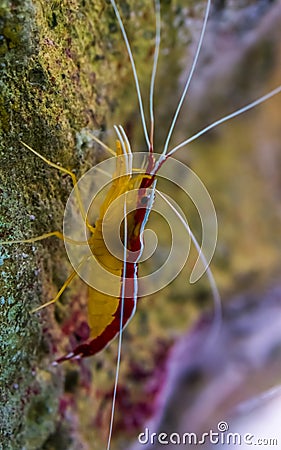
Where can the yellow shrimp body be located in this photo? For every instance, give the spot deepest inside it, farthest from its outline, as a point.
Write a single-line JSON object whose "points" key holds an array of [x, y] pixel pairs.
{"points": [[104, 309]]}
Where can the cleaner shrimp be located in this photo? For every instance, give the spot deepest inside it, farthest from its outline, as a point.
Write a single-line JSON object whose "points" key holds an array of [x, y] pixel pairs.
{"points": [[131, 196]]}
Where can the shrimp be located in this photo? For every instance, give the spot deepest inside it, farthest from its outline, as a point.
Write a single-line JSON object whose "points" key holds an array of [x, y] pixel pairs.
{"points": [[128, 203]]}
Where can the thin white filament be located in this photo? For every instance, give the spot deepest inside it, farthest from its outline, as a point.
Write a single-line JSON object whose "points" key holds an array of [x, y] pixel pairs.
{"points": [[125, 139], [133, 66], [121, 327], [214, 289], [188, 81], [225, 119], [129, 150], [154, 68], [120, 137]]}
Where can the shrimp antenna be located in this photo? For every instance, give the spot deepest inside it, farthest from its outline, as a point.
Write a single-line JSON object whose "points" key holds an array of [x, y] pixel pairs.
{"points": [[129, 150], [133, 66], [154, 69], [121, 327], [126, 152], [189, 78], [225, 119]]}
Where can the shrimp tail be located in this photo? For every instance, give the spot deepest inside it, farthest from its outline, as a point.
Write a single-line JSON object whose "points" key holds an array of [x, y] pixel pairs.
{"points": [[94, 346]]}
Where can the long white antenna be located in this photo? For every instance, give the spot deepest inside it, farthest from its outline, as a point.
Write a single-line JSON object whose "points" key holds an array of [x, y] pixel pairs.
{"points": [[189, 78], [225, 119], [133, 66], [128, 145], [129, 150], [154, 69], [121, 327], [123, 146]]}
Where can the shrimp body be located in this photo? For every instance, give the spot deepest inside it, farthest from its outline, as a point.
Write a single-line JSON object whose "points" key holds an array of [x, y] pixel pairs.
{"points": [[104, 310]]}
